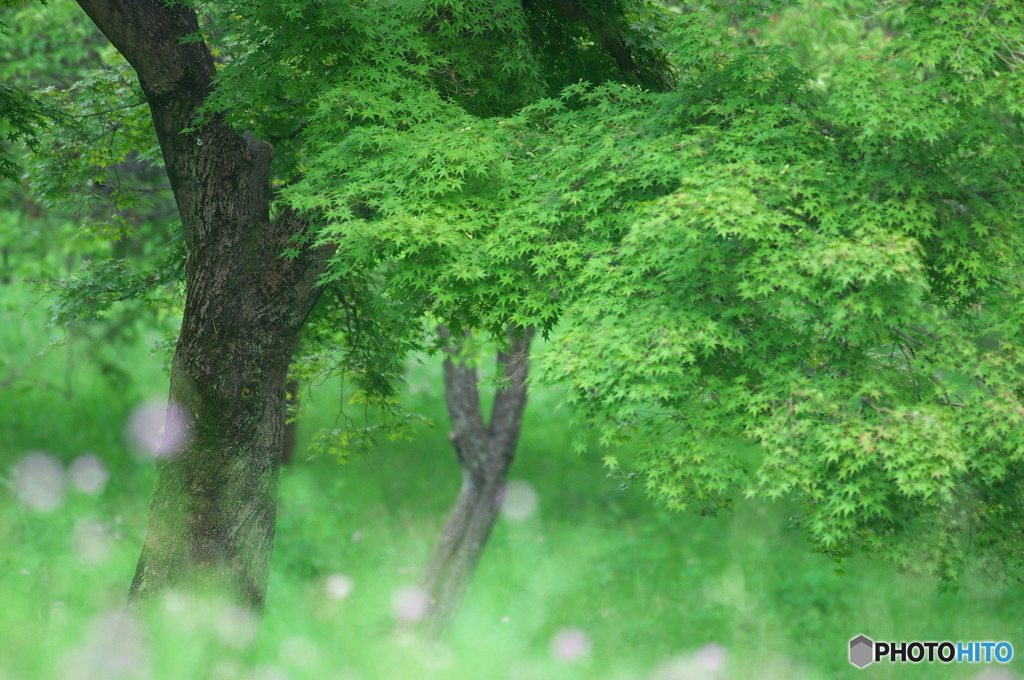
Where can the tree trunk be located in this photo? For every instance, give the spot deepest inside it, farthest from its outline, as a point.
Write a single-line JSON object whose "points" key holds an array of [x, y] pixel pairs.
{"points": [[485, 454], [213, 511]]}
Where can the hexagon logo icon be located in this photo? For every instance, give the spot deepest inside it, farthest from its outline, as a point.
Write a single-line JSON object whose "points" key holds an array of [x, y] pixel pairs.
{"points": [[861, 648]]}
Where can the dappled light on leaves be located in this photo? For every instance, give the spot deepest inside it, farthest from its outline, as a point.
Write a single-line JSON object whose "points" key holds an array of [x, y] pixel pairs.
{"points": [[437, 657], [679, 668], [91, 541], [113, 649], [158, 428], [710, 657], [175, 603], [339, 586], [410, 604], [570, 645], [707, 663], [237, 627], [38, 481], [226, 669], [88, 474], [266, 673], [518, 500], [298, 651], [212, 616]]}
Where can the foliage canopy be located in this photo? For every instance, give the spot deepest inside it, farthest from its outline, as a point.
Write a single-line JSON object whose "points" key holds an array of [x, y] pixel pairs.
{"points": [[776, 287]]}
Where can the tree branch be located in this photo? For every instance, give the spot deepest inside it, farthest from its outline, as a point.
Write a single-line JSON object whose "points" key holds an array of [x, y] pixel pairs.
{"points": [[610, 36], [510, 399]]}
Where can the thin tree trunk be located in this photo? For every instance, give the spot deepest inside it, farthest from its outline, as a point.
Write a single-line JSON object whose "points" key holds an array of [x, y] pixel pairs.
{"points": [[213, 511], [485, 454]]}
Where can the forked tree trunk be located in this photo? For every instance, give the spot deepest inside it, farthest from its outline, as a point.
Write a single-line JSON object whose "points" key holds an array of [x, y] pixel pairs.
{"points": [[485, 453], [213, 511]]}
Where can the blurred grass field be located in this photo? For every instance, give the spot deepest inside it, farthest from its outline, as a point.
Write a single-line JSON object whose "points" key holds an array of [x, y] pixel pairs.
{"points": [[636, 592]]}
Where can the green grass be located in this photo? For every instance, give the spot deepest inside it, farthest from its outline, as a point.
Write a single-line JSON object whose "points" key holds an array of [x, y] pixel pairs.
{"points": [[645, 586]]}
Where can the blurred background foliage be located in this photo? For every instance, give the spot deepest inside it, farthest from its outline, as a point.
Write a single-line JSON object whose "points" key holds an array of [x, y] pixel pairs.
{"points": [[91, 220]]}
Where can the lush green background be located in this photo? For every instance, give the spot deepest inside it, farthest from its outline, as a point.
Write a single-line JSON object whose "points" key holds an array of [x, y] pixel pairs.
{"points": [[645, 585], [648, 587]]}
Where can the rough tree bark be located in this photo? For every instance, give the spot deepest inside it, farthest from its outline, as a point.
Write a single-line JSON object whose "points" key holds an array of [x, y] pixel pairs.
{"points": [[212, 516], [485, 453]]}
